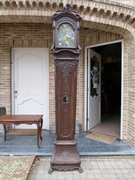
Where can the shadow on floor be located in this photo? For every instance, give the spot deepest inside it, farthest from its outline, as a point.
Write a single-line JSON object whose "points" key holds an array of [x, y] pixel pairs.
{"points": [[26, 145]]}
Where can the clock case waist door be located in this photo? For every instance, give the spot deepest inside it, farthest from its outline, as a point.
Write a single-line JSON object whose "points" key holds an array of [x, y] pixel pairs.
{"points": [[66, 90], [65, 155]]}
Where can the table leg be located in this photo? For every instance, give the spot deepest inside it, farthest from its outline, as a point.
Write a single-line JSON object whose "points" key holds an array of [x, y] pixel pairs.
{"points": [[41, 129], [4, 127], [39, 132]]}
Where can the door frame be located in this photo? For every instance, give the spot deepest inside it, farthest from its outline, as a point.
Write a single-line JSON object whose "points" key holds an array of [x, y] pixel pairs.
{"points": [[86, 122], [13, 77]]}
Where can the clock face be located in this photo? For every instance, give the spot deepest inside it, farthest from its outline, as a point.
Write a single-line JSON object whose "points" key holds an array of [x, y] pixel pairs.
{"points": [[66, 36]]}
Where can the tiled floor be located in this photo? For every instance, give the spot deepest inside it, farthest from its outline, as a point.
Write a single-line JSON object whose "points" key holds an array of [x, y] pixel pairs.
{"points": [[110, 124], [94, 168], [107, 128], [26, 145]]}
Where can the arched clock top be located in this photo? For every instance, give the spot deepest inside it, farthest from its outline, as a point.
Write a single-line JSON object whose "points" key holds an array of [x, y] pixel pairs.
{"points": [[65, 24]]}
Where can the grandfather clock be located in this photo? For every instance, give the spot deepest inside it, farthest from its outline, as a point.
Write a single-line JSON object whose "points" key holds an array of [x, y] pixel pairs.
{"points": [[66, 50]]}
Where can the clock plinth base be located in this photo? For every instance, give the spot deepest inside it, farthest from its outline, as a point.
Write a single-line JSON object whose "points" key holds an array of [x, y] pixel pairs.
{"points": [[65, 157]]}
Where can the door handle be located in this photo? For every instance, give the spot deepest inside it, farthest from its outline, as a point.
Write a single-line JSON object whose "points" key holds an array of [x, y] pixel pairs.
{"points": [[15, 92]]}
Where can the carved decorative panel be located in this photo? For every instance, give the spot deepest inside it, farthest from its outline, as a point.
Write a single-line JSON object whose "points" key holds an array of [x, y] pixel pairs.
{"points": [[66, 69]]}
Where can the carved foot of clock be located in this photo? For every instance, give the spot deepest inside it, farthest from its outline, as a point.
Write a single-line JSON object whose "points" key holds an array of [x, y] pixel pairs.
{"points": [[80, 170], [65, 157], [50, 171]]}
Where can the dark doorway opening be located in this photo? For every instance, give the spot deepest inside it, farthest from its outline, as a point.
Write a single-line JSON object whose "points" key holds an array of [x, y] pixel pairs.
{"points": [[110, 82]]}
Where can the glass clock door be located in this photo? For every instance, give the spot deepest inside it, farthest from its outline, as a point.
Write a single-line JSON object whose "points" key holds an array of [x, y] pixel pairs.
{"points": [[66, 36]]}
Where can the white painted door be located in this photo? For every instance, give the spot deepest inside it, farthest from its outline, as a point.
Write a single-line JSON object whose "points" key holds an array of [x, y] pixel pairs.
{"points": [[94, 92], [30, 86]]}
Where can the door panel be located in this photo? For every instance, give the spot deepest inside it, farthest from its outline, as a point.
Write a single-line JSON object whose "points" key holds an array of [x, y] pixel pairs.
{"points": [[94, 94], [31, 83]]}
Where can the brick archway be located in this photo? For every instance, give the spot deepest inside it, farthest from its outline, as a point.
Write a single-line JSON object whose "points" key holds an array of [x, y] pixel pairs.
{"points": [[110, 12], [109, 16]]}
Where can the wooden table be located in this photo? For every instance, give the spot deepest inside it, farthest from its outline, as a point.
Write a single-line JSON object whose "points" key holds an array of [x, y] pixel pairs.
{"points": [[23, 119]]}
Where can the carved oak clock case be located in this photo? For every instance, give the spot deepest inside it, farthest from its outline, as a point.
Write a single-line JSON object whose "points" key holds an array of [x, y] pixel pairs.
{"points": [[66, 50]]}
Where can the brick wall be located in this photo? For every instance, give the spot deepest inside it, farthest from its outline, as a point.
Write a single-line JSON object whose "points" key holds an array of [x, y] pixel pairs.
{"points": [[131, 93], [22, 35], [40, 35], [130, 3], [102, 22]]}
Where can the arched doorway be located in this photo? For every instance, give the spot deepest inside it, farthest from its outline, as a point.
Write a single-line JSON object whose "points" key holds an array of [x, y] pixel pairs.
{"points": [[104, 117]]}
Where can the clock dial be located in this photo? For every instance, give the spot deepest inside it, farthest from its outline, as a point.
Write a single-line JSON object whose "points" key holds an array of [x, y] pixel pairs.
{"points": [[66, 36]]}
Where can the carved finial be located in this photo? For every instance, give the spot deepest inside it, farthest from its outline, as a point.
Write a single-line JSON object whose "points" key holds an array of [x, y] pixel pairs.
{"points": [[68, 11]]}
